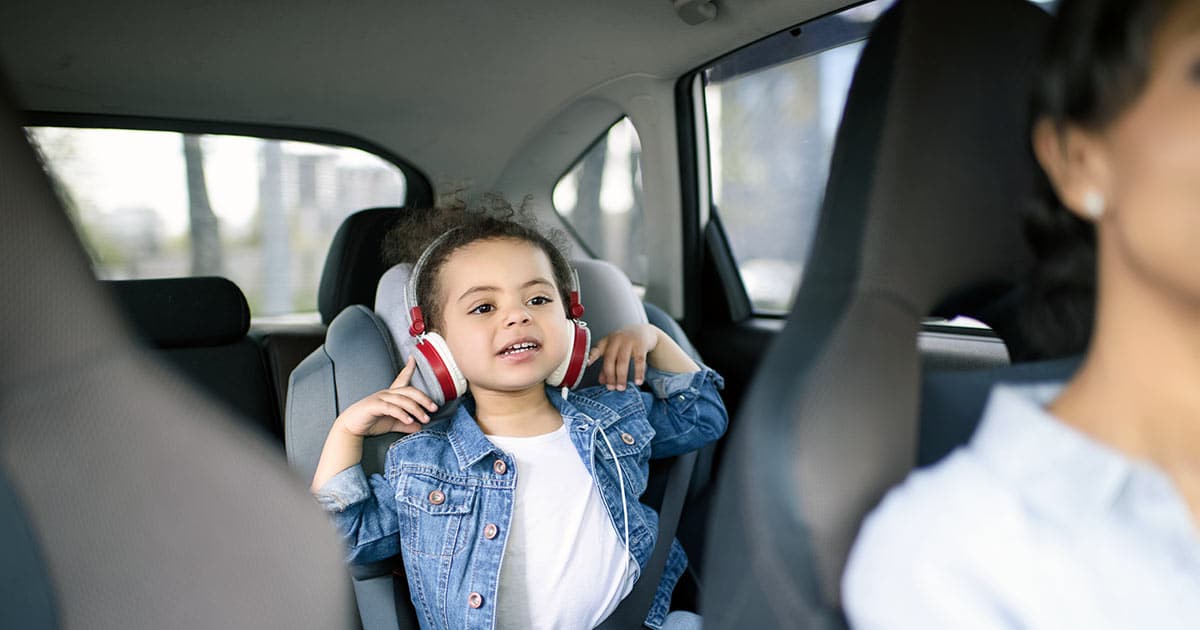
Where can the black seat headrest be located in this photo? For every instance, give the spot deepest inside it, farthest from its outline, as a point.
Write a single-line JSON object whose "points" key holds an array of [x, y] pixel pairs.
{"points": [[355, 262], [184, 312]]}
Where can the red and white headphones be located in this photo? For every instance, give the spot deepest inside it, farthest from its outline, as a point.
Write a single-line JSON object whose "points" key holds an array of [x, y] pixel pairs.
{"points": [[436, 365]]}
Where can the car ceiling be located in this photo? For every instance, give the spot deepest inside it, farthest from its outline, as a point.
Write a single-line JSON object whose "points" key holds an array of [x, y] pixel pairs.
{"points": [[454, 87]]}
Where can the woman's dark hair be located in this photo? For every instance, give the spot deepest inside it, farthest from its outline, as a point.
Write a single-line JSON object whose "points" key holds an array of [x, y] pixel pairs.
{"points": [[492, 219], [1095, 65]]}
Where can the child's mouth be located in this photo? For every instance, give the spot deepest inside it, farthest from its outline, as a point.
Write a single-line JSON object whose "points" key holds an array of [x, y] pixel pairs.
{"points": [[518, 348]]}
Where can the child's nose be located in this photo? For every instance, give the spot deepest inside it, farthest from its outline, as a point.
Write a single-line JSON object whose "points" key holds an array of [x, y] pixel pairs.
{"points": [[516, 316]]}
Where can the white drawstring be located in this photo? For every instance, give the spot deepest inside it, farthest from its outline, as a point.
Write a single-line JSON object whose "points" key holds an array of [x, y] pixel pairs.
{"points": [[621, 480]]}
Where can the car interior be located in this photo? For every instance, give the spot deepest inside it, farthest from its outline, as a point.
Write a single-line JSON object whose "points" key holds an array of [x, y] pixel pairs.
{"points": [[819, 199]]}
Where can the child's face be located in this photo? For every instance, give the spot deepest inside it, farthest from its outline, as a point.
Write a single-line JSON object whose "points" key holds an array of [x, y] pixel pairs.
{"points": [[501, 315]]}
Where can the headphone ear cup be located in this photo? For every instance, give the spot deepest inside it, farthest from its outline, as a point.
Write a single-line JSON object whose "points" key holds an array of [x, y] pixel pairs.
{"points": [[437, 374], [569, 373]]}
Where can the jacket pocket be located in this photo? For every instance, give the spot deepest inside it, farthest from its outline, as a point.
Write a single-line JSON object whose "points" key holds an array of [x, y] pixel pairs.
{"points": [[630, 441], [434, 514]]}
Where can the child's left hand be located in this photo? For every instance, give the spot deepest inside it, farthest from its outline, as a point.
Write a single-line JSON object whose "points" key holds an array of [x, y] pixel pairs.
{"points": [[632, 342]]}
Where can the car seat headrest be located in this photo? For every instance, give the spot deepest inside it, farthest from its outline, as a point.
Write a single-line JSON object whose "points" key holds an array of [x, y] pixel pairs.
{"points": [[184, 312], [355, 262]]}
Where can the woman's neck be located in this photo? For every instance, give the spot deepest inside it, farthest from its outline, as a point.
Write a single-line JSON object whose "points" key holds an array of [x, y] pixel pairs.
{"points": [[517, 414], [1138, 388]]}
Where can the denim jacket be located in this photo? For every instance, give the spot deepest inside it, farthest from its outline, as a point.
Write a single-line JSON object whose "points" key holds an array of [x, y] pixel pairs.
{"points": [[445, 499]]}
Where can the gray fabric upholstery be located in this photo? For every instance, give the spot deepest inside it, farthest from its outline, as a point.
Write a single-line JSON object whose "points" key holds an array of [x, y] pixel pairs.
{"points": [[357, 359], [930, 168], [26, 596], [152, 508]]}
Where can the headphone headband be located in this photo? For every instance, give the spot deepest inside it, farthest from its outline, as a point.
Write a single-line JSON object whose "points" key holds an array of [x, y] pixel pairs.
{"points": [[418, 319]]}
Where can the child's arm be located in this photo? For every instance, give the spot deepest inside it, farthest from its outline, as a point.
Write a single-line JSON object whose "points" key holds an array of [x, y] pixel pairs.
{"points": [[399, 408], [362, 508], [685, 408]]}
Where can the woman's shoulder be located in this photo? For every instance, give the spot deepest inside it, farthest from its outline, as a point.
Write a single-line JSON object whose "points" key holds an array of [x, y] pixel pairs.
{"points": [[955, 520]]}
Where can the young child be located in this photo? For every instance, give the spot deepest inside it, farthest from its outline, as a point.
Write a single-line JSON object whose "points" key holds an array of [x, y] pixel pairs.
{"points": [[521, 511]]}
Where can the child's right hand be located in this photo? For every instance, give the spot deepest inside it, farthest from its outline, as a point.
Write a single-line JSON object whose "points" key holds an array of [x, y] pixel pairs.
{"points": [[399, 408]]}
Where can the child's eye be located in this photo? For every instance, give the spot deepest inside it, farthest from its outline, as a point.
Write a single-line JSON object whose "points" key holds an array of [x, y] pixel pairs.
{"points": [[540, 300], [481, 309]]}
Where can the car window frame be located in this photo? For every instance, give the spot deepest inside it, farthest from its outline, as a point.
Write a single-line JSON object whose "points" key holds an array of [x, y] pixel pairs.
{"points": [[699, 207], [418, 189]]}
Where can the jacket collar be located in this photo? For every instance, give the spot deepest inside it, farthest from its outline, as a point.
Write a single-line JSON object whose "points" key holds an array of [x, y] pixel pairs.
{"points": [[470, 445]]}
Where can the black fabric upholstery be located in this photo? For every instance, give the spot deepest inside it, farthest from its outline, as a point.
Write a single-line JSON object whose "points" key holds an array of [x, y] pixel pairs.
{"points": [[198, 325], [152, 508], [354, 263], [952, 402], [236, 375], [26, 595], [184, 312], [284, 349], [930, 168]]}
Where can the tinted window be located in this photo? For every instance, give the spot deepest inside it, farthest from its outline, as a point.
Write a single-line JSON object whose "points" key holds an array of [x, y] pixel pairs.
{"points": [[151, 204], [772, 111], [600, 199]]}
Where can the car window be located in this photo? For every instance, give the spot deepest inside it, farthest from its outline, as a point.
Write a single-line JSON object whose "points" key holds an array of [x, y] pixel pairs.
{"points": [[153, 204], [771, 112], [600, 200]]}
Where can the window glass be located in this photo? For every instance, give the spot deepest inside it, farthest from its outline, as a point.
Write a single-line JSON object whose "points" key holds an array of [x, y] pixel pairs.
{"points": [[600, 199], [772, 110], [152, 204]]}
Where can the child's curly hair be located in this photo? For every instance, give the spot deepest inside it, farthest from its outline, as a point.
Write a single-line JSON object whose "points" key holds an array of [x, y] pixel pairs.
{"points": [[494, 218]]}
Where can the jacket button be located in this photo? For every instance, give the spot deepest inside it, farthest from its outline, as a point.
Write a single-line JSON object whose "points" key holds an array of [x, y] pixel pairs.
{"points": [[475, 600], [437, 497], [500, 467], [490, 531], [626, 438]]}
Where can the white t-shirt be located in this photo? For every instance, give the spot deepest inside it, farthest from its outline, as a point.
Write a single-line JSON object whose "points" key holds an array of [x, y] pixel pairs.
{"points": [[564, 565]]}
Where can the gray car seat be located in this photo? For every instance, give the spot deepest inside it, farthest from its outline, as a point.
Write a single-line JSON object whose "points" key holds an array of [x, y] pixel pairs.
{"points": [[359, 357], [921, 215], [150, 507]]}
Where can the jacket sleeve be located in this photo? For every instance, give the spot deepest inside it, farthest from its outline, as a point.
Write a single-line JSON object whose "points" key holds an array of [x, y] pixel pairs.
{"points": [[364, 513], [685, 410]]}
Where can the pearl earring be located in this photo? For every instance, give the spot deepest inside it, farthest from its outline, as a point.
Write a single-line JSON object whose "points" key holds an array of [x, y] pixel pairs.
{"points": [[1093, 205]]}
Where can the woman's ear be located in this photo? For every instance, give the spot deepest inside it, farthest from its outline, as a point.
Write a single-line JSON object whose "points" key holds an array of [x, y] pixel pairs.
{"points": [[1076, 163]]}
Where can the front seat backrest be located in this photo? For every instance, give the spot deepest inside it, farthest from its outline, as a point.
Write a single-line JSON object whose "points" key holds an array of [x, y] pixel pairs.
{"points": [[152, 508], [930, 168]]}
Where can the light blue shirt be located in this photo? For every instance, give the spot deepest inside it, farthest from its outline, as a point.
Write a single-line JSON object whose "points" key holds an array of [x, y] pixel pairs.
{"points": [[1031, 525]]}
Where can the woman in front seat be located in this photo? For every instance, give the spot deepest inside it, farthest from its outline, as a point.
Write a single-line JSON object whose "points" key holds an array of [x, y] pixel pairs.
{"points": [[1076, 505]]}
